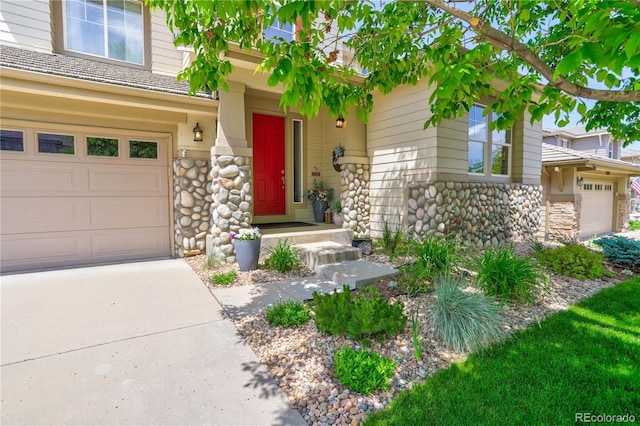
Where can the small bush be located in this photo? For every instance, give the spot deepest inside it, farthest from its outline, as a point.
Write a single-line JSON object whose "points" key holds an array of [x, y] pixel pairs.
{"points": [[634, 225], [290, 313], [574, 261], [415, 278], [502, 273], [620, 250], [363, 371], [366, 316], [392, 239], [282, 257], [436, 256], [565, 240], [224, 278], [465, 321]]}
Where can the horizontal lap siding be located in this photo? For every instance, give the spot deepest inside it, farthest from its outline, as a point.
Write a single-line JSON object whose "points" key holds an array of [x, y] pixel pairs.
{"points": [[532, 149], [165, 58], [26, 24], [398, 146], [452, 146]]}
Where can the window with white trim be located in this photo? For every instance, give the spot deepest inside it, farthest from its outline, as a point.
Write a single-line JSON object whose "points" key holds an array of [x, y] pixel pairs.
{"points": [[278, 29], [489, 151], [111, 29]]}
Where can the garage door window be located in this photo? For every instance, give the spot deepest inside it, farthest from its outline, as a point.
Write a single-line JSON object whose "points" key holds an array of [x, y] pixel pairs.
{"points": [[56, 144], [11, 140], [143, 149], [102, 147]]}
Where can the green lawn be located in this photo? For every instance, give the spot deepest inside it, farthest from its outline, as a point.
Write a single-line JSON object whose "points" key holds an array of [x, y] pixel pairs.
{"points": [[584, 360]]}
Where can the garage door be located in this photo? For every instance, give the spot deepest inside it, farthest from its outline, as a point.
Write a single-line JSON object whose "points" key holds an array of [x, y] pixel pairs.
{"points": [[71, 198], [596, 215]]}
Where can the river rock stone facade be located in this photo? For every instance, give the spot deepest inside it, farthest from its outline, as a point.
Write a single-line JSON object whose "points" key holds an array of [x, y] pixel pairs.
{"points": [[354, 197], [191, 205], [232, 197], [485, 214]]}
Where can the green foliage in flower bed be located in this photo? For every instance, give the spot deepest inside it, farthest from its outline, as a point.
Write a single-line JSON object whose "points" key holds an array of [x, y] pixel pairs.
{"points": [[465, 321], [620, 250], [282, 257], [367, 315], [436, 256], [289, 313], [634, 225], [573, 260], [363, 371], [502, 273], [224, 278]]}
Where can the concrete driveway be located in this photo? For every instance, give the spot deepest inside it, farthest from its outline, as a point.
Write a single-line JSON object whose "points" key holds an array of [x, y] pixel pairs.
{"points": [[137, 343]]}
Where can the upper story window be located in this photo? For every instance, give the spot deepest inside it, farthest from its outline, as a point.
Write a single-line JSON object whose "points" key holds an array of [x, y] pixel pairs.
{"points": [[489, 151], [565, 143], [610, 150], [111, 29], [278, 29]]}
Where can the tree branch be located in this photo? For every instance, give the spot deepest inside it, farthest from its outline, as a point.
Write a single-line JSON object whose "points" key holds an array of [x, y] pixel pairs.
{"points": [[504, 42]]}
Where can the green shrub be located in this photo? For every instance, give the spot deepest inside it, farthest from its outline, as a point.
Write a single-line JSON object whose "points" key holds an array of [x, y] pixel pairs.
{"points": [[224, 278], [290, 313], [367, 315], [363, 371], [415, 278], [436, 256], [502, 273], [574, 261], [465, 321], [634, 225], [565, 240], [282, 257], [392, 239], [620, 250]]}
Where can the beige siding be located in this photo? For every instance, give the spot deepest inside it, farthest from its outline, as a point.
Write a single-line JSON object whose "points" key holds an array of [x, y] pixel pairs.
{"points": [[165, 58], [452, 146], [26, 24], [532, 151], [400, 150]]}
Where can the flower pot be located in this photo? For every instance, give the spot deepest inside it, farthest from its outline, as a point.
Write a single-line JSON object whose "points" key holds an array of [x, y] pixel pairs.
{"points": [[319, 207], [338, 219], [247, 253]]}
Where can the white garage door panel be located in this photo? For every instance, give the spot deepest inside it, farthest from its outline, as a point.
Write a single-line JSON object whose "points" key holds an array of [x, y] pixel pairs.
{"points": [[22, 215], [20, 252], [596, 213], [20, 177], [128, 244], [122, 212], [127, 180]]}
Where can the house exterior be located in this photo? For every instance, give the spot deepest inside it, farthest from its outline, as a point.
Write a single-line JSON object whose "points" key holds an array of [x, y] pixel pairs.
{"points": [[100, 159], [586, 178]]}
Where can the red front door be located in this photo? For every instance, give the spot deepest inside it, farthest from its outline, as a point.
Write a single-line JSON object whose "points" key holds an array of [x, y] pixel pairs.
{"points": [[268, 165]]}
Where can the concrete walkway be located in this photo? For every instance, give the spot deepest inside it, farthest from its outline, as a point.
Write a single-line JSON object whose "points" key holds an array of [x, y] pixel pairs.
{"points": [[138, 343]]}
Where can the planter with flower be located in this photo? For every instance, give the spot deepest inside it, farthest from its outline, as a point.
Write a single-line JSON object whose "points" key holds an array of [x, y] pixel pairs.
{"points": [[336, 209], [338, 152], [247, 247], [320, 197]]}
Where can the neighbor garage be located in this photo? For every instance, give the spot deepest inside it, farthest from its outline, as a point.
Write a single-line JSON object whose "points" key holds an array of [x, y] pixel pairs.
{"points": [[75, 196], [596, 215]]}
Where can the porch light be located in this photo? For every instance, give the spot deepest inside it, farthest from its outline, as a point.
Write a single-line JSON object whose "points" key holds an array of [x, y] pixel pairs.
{"points": [[580, 181], [197, 133], [340, 122]]}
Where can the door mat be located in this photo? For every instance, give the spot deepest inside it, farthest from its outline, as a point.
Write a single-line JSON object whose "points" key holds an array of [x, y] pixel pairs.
{"points": [[282, 225]]}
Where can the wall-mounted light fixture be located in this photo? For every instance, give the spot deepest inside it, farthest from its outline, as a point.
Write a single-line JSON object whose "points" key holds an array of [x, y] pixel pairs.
{"points": [[197, 133], [580, 181], [340, 122]]}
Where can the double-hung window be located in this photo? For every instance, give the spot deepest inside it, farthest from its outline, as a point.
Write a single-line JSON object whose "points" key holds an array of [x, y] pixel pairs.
{"points": [[111, 29], [278, 29], [489, 151]]}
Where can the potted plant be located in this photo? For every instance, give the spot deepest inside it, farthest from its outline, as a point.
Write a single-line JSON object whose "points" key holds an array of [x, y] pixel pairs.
{"points": [[336, 209], [320, 197], [247, 248], [338, 152]]}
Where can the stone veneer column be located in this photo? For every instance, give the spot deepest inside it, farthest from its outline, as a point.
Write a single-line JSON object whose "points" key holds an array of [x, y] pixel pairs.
{"points": [[483, 213], [623, 209], [354, 197], [232, 197], [564, 217], [192, 189]]}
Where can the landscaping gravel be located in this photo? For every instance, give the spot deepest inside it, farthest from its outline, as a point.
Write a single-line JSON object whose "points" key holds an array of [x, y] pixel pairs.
{"points": [[301, 359]]}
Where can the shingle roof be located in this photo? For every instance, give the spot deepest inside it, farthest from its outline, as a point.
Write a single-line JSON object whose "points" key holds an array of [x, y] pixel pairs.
{"points": [[84, 69], [556, 154]]}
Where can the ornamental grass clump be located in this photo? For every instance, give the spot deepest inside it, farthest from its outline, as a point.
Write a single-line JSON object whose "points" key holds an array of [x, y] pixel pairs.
{"points": [[282, 257], [436, 256], [363, 371], [504, 274], [465, 321], [289, 313]]}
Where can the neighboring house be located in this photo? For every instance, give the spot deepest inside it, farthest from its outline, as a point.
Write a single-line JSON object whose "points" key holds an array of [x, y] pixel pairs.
{"points": [[597, 141], [584, 194], [630, 155], [100, 159]]}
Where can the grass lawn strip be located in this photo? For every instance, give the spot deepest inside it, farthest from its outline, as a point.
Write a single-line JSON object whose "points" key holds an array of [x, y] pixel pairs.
{"points": [[584, 360]]}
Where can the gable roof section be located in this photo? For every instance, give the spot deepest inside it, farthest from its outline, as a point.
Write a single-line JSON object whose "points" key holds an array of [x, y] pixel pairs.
{"points": [[87, 70], [564, 157]]}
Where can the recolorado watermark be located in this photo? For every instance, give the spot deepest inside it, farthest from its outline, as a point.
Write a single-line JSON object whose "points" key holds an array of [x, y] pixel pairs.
{"points": [[604, 418]]}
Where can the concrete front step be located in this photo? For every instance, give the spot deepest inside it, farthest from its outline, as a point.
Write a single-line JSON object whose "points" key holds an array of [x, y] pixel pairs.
{"points": [[321, 253], [356, 273]]}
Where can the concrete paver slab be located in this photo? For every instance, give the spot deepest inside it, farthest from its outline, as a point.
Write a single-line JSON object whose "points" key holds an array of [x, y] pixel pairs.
{"points": [[355, 273], [250, 299], [303, 288]]}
